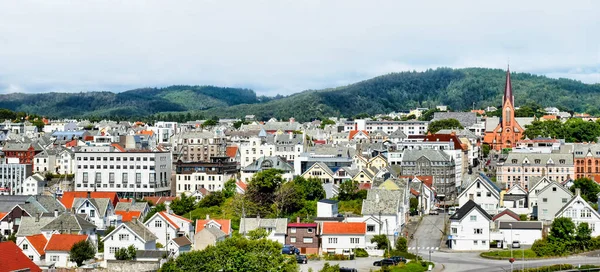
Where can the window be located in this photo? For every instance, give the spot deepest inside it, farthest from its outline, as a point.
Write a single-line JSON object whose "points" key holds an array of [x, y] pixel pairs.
{"points": [[292, 230], [25, 246], [483, 242], [332, 240], [370, 228], [564, 200], [138, 177], [113, 249], [553, 189], [454, 230], [354, 240], [592, 226], [477, 231], [307, 240], [123, 237], [309, 230], [544, 200], [473, 217], [124, 177], [30, 257], [54, 258], [474, 242], [292, 239], [478, 194], [92, 213]]}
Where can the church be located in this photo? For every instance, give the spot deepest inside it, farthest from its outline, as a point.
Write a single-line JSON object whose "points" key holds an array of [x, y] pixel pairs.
{"points": [[506, 131]]}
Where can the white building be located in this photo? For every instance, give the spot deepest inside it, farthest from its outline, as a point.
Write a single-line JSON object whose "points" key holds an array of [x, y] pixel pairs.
{"points": [[581, 212], [169, 226], [276, 227], [127, 172], [58, 248], [482, 192], [407, 127], [525, 232], [33, 247], [126, 234], [327, 208], [343, 237], [13, 175], [470, 228], [34, 185], [99, 210]]}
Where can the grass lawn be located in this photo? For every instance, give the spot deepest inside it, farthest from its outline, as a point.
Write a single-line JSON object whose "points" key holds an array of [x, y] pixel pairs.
{"points": [[409, 267], [505, 254]]}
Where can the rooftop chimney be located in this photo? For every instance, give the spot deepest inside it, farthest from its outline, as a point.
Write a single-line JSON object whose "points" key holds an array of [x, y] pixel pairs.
{"points": [[577, 191], [297, 219], [37, 217], [55, 213], [207, 217], [89, 194]]}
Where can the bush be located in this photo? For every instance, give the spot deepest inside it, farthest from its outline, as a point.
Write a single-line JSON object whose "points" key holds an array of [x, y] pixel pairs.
{"points": [[336, 257], [550, 268], [523, 217], [313, 257], [406, 255], [505, 254], [361, 252], [402, 244]]}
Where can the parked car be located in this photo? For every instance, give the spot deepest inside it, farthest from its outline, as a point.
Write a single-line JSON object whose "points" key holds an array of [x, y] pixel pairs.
{"points": [[398, 259], [346, 269], [433, 212], [301, 259], [385, 262], [289, 250], [516, 244]]}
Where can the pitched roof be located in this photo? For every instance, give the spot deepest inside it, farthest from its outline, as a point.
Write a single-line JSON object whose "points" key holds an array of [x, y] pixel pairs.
{"points": [[13, 259], [466, 208], [279, 225], [130, 206], [2, 214], [29, 226], [354, 132], [302, 225], [382, 201], [182, 241], [231, 151], [140, 230], [225, 224], [68, 197], [507, 212], [69, 221], [64, 242], [344, 228], [159, 199], [127, 216], [38, 242], [445, 138], [466, 119]]}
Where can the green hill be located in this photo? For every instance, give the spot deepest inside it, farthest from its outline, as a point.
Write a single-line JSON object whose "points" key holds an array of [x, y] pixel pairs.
{"points": [[458, 88]]}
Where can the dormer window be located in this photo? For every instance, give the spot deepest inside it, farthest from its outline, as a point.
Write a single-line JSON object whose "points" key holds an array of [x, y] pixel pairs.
{"points": [[537, 161], [514, 161]]}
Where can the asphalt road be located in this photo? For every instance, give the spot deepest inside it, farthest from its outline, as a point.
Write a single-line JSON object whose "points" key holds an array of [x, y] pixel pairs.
{"points": [[428, 235], [361, 264]]}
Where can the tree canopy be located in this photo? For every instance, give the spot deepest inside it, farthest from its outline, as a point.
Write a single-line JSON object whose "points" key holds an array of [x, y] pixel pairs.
{"points": [[589, 189], [438, 125], [573, 130], [81, 252], [183, 204]]}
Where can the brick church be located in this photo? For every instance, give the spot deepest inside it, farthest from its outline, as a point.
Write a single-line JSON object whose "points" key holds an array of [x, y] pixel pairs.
{"points": [[508, 131]]}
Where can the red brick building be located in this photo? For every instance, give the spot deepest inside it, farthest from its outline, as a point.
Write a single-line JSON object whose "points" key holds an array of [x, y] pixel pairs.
{"points": [[303, 236], [23, 151]]}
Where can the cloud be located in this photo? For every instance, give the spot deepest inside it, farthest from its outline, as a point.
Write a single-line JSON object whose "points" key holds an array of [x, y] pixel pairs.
{"points": [[284, 46]]}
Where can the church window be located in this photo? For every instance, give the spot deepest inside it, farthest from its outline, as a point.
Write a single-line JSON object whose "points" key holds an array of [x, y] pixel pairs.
{"points": [[507, 115]]}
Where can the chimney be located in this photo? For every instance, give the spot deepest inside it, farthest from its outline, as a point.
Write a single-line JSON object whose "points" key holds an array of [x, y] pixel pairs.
{"points": [[134, 219], [89, 194], [37, 217], [291, 135], [207, 217], [55, 213], [297, 219], [577, 191]]}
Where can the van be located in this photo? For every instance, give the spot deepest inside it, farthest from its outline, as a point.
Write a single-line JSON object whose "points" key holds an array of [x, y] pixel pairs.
{"points": [[451, 210]]}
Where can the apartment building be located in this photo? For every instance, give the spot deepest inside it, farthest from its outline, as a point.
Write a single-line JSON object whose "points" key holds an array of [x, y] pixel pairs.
{"points": [[210, 175], [520, 167], [412, 127], [199, 146]]}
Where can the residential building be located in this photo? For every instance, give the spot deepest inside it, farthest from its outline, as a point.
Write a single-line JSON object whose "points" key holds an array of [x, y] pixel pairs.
{"points": [[412, 127], [179, 245], [515, 198], [431, 162], [320, 171], [581, 212], [168, 226], [525, 232], [199, 146], [24, 152], [68, 223], [587, 161], [332, 156], [130, 172], [536, 184], [342, 237], [520, 167], [422, 188], [126, 234], [483, 192], [12, 176], [264, 163], [276, 227], [210, 231], [33, 247], [34, 185], [327, 208], [304, 236], [58, 248], [17, 260], [211, 175], [468, 120], [99, 210], [470, 228], [506, 216]]}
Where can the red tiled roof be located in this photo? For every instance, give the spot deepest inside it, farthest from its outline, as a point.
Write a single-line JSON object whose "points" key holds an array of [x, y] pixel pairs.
{"points": [[414, 192], [549, 117], [180, 217], [13, 259], [302, 225], [354, 132], [445, 138], [507, 212], [2, 215], [159, 199], [166, 217], [118, 146], [241, 184], [344, 228], [128, 215], [88, 138], [146, 132], [231, 151], [38, 242], [225, 224], [68, 197], [71, 143], [64, 242], [364, 186], [320, 142], [204, 191]]}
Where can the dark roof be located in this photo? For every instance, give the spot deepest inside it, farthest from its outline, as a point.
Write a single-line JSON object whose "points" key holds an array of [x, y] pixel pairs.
{"points": [[466, 208], [507, 212], [515, 197], [182, 241], [328, 201], [521, 225], [150, 253]]}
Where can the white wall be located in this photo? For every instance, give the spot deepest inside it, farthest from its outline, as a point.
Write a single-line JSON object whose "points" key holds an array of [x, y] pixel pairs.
{"points": [[488, 203], [163, 230], [114, 242], [343, 242], [464, 237], [524, 236]]}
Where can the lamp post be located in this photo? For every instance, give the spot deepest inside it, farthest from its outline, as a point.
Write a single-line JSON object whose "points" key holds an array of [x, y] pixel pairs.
{"points": [[511, 247]]}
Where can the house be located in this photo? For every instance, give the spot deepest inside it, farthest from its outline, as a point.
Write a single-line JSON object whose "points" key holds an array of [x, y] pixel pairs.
{"points": [[483, 192], [168, 226], [98, 209], [142, 207], [58, 247], [327, 208], [210, 231], [470, 228], [551, 199], [179, 245], [68, 197], [240, 187], [516, 199], [581, 212], [526, 232], [536, 184], [69, 223], [505, 216], [33, 247], [34, 184], [276, 227], [13, 259], [342, 237], [384, 212], [128, 233], [303, 236], [425, 193], [127, 216], [320, 171]]}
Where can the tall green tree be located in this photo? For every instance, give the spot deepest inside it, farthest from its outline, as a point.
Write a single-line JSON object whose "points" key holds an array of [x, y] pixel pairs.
{"points": [[562, 230], [589, 189], [312, 188], [262, 187], [438, 125], [183, 204], [81, 252]]}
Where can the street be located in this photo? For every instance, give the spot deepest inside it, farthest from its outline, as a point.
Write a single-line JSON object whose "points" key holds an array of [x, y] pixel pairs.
{"points": [[361, 264], [428, 235]]}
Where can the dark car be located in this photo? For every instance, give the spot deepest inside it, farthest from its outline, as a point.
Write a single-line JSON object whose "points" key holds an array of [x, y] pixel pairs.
{"points": [[346, 269], [385, 262], [301, 259], [289, 250], [398, 259]]}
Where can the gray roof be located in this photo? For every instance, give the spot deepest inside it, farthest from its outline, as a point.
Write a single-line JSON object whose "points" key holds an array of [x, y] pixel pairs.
{"points": [[279, 225], [184, 241], [101, 204], [581, 150], [398, 134], [543, 157], [272, 162], [460, 133], [322, 166], [197, 135], [217, 233], [48, 203], [141, 230], [430, 154], [466, 119], [466, 208], [29, 226], [382, 201], [155, 254], [521, 225], [69, 221], [137, 206], [557, 185]]}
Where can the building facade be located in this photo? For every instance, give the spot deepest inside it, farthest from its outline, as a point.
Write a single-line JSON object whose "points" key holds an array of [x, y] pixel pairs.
{"points": [[519, 168], [211, 175]]}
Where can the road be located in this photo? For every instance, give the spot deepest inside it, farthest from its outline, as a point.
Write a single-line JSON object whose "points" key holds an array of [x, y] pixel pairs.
{"points": [[361, 264], [428, 235]]}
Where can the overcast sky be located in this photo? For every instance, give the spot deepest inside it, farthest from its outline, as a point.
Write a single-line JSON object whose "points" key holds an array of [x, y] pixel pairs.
{"points": [[284, 46]]}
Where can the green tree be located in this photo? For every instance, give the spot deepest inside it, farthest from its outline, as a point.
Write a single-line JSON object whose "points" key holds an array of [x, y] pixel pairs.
{"points": [[330, 268], [562, 230], [589, 189], [158, 208], [326, 122], [81, 252], [428, 115], [381, 240], [348, 190], [183, 204], [438, 125], [209, 123], [258, 233], [128, 253], [288, 199], [402, 244], [414, 203], [312, 188], [486, 150], [262, 187], [234, 254], [213, 199], [583, 235], [229, 188]]}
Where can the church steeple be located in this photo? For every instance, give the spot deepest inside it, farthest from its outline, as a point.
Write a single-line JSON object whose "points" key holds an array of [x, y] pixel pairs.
{"points": [[508, 89]]}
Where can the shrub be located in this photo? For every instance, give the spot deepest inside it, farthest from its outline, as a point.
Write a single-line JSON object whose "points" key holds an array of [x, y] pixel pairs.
{"points": [[550, 268], [336, 257], [381, 240], [517, 254], [401, 244], [523, 217], [406, 255], [313, 257], [361, 252]]}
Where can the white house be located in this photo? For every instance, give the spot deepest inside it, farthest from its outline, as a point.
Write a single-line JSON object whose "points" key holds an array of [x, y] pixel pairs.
{"points": [[276, 227], [99, 210], [526, 232], [169, 226], [470, 228], [179, 245], [581, 212], [33, 247], [34, 184], [515, 199], [483, 193], [58, 247], [327, 208], [342, 237], [551, 199], [535, 186], [126, 234]]}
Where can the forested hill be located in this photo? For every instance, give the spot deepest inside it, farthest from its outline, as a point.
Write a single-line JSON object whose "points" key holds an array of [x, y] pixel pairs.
{"points": [[138, 102], [457, 88]]}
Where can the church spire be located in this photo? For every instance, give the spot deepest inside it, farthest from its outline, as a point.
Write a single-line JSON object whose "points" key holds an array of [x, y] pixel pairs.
{"points": [[508, 89]]}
